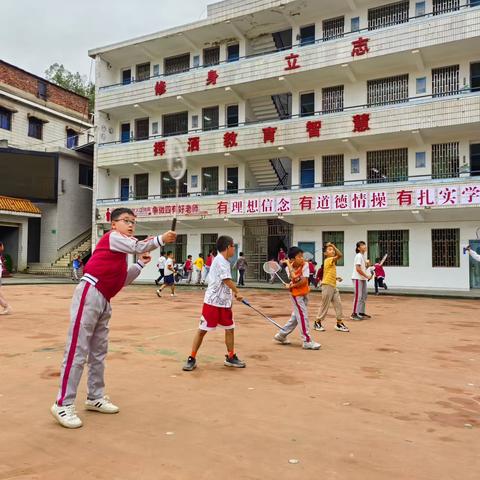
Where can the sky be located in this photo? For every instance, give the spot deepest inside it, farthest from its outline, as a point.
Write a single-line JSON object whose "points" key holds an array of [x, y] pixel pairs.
{"points": [[35, 34]]}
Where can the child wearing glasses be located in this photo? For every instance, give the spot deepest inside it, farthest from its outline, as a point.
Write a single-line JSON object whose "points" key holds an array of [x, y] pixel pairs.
{"points": [[105, 274]]}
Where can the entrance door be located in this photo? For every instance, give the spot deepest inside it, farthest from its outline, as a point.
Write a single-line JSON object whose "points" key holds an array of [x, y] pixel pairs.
{"points": [[475, 266], [308, 247], [125, 135], [475, 76], [124, 189], [475, 159]]}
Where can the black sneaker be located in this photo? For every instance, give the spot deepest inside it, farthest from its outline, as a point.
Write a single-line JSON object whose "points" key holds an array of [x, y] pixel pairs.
{"points": [[318, 327], [364, 315], [156, 282], [190, 365], [234, 362], [354, 316], [385, 286]]}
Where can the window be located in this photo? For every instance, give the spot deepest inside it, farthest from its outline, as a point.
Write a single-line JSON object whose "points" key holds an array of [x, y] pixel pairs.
{"points": [[421, 85], [445, 160], [307, 104], [332, 170], [72, 138], [211, 56], [194, 121], [387, 165], [307, 173], [387, 15], [210, 181], [85, 175], [387, 90], [445, 80], [154, 128], [156, 70], [336, 238], [143, 71], [5, 119], [232, 180], [179, 248], [125, 132], [393, 242], [355, 166], [196, 61], [177, 64], [446, 247], [474, 3], [209, 242], [124, 189], [232, 116], [141, 186], [355, 24], [210, 118], [307, 35], [168, 185], [419, 9], [420, 160], [283, 40], [141, 128], [42, 90], [444, 6], [126, 76], [175, 123], [35, 128], [333, 28], [233, 52], [475, 76], [332, 99], [475, 159]]}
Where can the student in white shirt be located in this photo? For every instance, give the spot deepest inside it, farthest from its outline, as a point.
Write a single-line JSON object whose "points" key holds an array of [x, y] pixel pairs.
{"points": [[3, 302], [360, 277], [169, 278], [161, 267]]}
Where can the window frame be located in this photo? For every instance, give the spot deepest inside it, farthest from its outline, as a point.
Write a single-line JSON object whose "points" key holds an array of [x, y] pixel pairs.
{"points": [[35, 123], [7, 116]]}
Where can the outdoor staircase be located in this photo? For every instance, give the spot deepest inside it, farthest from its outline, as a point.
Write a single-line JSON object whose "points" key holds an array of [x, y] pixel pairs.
{"points": [[269, 173], [262, 44], [264, 108]]}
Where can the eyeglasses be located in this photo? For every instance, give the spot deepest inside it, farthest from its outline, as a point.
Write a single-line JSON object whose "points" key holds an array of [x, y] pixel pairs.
{"points": [[126, 221]]}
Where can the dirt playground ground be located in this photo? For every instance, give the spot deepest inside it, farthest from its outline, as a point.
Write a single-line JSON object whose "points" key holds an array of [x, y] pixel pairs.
{"points": [[396, 398]]}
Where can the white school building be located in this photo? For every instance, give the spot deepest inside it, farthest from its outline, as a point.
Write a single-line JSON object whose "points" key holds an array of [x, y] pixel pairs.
{"points": [[302, 122]]}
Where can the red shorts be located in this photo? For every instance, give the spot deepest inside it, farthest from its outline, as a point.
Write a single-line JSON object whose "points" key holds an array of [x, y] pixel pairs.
{"points": [[213, 317]]}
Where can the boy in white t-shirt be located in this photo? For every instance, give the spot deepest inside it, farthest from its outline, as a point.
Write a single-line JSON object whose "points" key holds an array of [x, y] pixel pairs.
{"points": [[6, 310], [169, 278], [360, 277], [217, 306], [161, 267]]}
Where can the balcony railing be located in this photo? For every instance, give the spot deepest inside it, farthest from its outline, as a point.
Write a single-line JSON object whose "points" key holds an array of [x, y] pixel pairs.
{"points": [[426, 17]]}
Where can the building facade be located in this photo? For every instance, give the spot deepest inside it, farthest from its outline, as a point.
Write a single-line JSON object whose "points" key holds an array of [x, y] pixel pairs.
{"points": [[302, 122], [46, 158]]}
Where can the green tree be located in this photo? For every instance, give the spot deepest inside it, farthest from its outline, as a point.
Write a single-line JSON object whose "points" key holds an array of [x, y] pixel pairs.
{"points": [[75, 82]]}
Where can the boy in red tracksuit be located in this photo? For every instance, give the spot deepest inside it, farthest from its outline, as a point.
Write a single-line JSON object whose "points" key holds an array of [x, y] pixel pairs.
{"points": [[104, 275], [379, 275]]}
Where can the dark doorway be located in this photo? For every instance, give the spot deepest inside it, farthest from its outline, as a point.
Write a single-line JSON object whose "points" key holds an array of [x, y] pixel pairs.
{"points": [[33, 253], [475, 159]]}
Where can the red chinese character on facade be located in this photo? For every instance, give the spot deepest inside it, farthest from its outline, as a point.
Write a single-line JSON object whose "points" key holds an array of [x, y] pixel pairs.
{"points": [[230, 139], [378, 200], [253, 206], [161, 210], [159, 148], [305, 202], [160, 88], [340, 201], [448, 196], [360, 47], [284, 205], [236, 206], [212, 77], [155, 210], [267, 205], [181, 209], [313, 128], [360, 122], [193, 144], [195, 208], [471, 195], [168, 209], [324, 202], [359, 200], [425, 197], [269, 134], [405, 198], [292, 61]]}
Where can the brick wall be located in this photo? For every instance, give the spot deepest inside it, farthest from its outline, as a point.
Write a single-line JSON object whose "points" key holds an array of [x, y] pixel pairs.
{"points": [[27, 82]]}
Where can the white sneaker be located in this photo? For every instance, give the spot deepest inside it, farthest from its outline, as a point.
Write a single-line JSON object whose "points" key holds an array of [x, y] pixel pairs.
{"points": [[6, 311], [66, 416], [311, 345], [159, 293], [341, 327], [172, 295], [102, 405], [318, 327], [281, 339]]}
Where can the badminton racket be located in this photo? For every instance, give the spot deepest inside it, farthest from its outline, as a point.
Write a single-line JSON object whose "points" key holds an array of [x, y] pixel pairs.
{"points": [[266, 317], [272, 268], [308, 256], [177, 166]]}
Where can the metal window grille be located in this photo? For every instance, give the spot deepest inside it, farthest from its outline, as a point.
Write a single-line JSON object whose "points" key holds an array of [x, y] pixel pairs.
{"points": [[445, 80], [332, 170], [180, 63], [446, 247], [211, 56], [210, 118], [175, 124], [332, 99], [141, 128], [35, 128], [141, 186], [386, 15], [143, 71], [444, 6], [210, 180], [5, 119], [209, 242], [338, 239], [393, 242], [387, 165], [333, 28], [179, 248], [387, 90], [445, 160], [169, 185]]}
